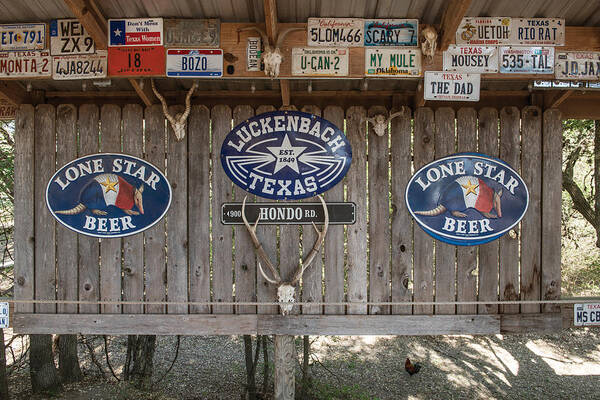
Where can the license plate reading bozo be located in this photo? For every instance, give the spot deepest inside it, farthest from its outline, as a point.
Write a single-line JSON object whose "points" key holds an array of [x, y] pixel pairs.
{"points": [[529, 60], [395, 62], [86, 66], [343, 32], [586, 314], [577, 65], [319, 61], [23, 37], [449, 86], [192, 63]]}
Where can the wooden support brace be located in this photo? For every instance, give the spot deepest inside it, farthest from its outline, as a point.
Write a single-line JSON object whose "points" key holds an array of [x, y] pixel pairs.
{"points": [[559, 99], [13, 92], [144, 91], [87, 12], [284, 378], [419, 96], [453, 15], [284, 84]]}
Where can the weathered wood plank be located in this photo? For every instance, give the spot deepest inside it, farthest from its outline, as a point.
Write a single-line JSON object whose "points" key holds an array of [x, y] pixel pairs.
{"points": [[379, 215], [284, 352], [445, 254], [24, 206], [222, 265], [199, 206], [551, 201], [66, 251], [110, 249], [356, 183], [402, 224], [154, 250], [133, 246], [177, 219], [531, 323], [245, 262], [423, 243], [334, 241], [531, 137], [466, 256], [488, 253], [510, 152]]}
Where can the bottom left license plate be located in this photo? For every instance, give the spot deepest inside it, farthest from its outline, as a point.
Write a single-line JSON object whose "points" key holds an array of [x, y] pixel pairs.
{"points": [[85, 66]]}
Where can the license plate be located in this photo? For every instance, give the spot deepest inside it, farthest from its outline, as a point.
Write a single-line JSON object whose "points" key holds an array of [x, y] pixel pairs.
{"points": [[85, 66], [319, 61], [134, 61], [21, 64], [8, 110], [586, 314], [391, 32], [193, 63], [68, 36], [398, 62], [527, 60], [288, 213], [135, 32], [471, 59], [538, 31], [577, 65], [253, 46], [4, 310], [451, 86], [484, 31], [23, 37], [192, 32], [342, 32]]}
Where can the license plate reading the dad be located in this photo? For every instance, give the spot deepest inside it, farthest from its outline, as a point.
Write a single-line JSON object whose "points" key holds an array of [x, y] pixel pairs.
{"points": [[319, 61], [342, 32], [527, 60], [538, 31], [23, 37], [484, 31], [471, 59], [586, 314], [577, 65], [68, 36], [396, 62], [449, 86], [21, 64], [191, 63], [85, 66]]}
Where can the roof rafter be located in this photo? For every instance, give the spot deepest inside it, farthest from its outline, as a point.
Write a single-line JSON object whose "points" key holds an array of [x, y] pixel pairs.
{"points": [[453, 14], [12, 92], [270, 7]]}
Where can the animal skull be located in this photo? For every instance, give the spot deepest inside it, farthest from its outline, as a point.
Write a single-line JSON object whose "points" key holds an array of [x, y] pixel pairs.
{"points": [[271, 57], [429, 43], [179, 122], [380, 122]]}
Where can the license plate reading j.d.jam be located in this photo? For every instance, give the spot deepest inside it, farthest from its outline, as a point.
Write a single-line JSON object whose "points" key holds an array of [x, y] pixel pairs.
{"points": [[396, 62], [191, 63], [23, 37], [586, 314], [85, 66], [340, 32], [580, 65], [319, 61], [132, 61], [527, 60], [21, 64], [451, 86]]}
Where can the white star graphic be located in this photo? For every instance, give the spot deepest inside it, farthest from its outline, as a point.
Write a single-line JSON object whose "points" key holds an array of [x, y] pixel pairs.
{"points": [[117, 32], [286, 155]]}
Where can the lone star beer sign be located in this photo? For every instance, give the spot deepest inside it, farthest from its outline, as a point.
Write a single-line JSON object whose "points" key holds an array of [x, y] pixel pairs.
{"points": [[467, 199], [108, 195], [286, 155]]}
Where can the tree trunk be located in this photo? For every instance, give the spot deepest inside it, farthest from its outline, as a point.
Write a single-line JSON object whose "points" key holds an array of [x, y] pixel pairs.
{"points": [[597, 179], [250, 366], [44, 376], [68, 361], [305, 366], [3, 378], [142, 356]]}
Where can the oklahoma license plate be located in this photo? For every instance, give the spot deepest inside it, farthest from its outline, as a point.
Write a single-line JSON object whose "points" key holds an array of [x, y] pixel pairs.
{"points": [[397, 62], [132, 61], [319, 61], [23, 37], [526, 60], [582, 65], [22, 64], [341, 32], [193, 63], [586, 314], [84, 66]]}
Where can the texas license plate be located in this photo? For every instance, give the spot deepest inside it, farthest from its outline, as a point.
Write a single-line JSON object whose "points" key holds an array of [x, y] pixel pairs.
{"points": [[68, 36], [526, 60], [397, 62], [135, 32], [538, 31], [23, 37], [582, 65], [22, 64], [319, 61], [84, 66], [451, 86], [341, 32], [132, 61], [471, 59], [586, 314], [193, 63]]}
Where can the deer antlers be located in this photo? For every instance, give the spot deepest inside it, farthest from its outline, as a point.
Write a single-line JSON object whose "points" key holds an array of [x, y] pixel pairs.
{"points": [[380, 122], [178, 122]]}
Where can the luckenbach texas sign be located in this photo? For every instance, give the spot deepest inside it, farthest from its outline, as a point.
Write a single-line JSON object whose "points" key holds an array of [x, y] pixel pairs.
{"points": [[108, 195], [467, 199], [286, 155]]}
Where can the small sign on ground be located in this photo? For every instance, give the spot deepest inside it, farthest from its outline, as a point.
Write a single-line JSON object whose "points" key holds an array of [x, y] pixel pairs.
{"points": [[586, 314]]}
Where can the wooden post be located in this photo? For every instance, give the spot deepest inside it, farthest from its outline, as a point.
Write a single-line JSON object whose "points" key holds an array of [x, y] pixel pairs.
{"points": [[284, 367]]}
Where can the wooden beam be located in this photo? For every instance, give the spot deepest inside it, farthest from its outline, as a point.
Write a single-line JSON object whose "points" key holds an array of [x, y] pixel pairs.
{"points": [[270, 7], [87, 12], [144, 91], [560, 98], [453, 15], [284, 84], [419, 96], [13, 92]]}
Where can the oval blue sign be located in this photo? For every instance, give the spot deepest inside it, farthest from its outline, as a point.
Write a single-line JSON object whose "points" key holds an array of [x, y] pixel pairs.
{"points": [[108, 195], [467, 199], [285, 155]]}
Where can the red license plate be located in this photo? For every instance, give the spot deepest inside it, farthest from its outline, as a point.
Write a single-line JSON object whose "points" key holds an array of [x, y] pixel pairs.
{"points": [[131, 61]]}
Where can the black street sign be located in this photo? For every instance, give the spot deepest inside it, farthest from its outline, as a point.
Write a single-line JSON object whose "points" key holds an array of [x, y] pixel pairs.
{"points": [[288, 213]]}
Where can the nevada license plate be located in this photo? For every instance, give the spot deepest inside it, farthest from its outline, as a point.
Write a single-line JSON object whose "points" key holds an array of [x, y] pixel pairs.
{"points": [[85, 66], [582, 65], [538, 31], [451, 86], [527, 60], [397, 62], [319, 61], [343, 32], [23, 37], [192, 63], [586, 314], [132, 61], [21, 64]]}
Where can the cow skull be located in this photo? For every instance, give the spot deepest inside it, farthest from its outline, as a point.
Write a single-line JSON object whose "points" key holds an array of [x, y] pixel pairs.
{"points": [[179, 122], [429, 43], [271, 57], [380, 122], [285, 289]]}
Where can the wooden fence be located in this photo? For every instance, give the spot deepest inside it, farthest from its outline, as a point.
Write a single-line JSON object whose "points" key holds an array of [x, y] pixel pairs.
{"points": [[191, 257]]}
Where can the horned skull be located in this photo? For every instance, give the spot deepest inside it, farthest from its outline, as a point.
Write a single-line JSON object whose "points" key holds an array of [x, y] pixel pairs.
{"points": [[429, 43], [286, 290], [380, 122], [179, 121]]}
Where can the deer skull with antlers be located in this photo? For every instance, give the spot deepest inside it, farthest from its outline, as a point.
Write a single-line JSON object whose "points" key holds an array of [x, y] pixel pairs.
{"points": [[179, 121], [380, 122], [271, 57], [285, 289]]}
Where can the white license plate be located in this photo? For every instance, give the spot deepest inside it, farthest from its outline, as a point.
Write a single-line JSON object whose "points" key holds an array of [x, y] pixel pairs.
{"points": [[23, 37], [483, 31], [395, 62], [319, 61], [451, 86], [253, 46], [85, 66], [577, 65], [341, 32], [193, 63], [538, 31], [4, 310], [391, 32], [471, 59], [69, 37], [527, 60], [24, 64], [586, 314]]}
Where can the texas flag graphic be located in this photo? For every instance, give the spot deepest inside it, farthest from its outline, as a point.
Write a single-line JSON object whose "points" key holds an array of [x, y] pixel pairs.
{"points": [[116, 31], [108, 190], [468, 192]]}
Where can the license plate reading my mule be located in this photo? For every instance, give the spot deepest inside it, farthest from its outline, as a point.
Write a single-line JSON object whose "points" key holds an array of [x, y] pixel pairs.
{"points": [[319, 61]]}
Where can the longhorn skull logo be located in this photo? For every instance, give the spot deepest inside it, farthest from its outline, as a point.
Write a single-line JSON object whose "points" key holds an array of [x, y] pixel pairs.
{"points": [[179, 121]]}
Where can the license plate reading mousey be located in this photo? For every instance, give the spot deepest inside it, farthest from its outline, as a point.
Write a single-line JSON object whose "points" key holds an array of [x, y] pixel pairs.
{"points": [[132, 61]]}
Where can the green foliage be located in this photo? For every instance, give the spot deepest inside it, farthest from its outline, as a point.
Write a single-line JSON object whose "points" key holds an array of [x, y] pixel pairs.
{"points": [[7, 159]]}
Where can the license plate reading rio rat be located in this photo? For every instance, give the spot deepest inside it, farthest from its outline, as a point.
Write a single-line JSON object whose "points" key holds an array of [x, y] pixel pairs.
{"points": [[132, 61]]}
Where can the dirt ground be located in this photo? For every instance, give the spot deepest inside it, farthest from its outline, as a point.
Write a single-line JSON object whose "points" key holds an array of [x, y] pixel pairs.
{"points": [[565, 365]]}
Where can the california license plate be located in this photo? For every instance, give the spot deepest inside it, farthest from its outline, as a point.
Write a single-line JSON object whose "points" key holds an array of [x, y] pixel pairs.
{"points": [[538, 31], [25, 64], [85, 66], [319, 61], [396, 62], [391, 32], [68, 36], [135, 61], [451, 86], [23, 37], [581, 65], [192, 63], [340, 32], [586, 314], [471, 59], [526, 60]]}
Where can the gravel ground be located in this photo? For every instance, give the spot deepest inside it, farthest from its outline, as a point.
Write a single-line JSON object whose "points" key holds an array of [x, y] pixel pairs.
{"points": [[560, 366]]}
